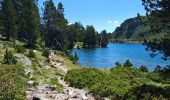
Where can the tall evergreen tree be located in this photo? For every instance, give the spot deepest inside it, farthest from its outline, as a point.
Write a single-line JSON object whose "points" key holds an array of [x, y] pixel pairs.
{"points": [[79, 31], [89, 40], [103, 38], [9, 19], [31, 18], [1, 20], [62, 35], [71, 36], [49, 23], [55, 26]]}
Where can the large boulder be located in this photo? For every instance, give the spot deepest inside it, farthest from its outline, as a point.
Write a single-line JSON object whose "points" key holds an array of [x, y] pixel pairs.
{"points": [[23, 59]]}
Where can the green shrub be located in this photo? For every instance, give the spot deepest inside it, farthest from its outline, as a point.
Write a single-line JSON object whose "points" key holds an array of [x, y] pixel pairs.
{"points": [[118, 64], [128, 63], [9, 58], [48, 60], [115, 84], [143, 68], [152, 92], [55, 82], [82, 78], [46, 53], [12, 81], [31, 54], [20, 49]]}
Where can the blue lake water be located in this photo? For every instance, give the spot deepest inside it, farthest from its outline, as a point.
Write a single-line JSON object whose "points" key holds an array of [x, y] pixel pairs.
{"points": [[106, 57]]}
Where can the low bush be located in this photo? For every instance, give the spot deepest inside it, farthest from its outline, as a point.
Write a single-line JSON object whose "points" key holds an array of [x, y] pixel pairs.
{"points": [[128, 63], [20, 49], [143, 69], [31, 54], [12, 82], [46, 53], [9, 58], [119, 83]]}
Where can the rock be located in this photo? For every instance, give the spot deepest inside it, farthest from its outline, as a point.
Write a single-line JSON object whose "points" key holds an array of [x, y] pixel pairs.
{"points": [[83, 96], [1, 46], [23, 59], [29, 71], [72, 94], [52, 96], [29, 92], [31, 82], [106, 99], [35, 51], [36, 98]]}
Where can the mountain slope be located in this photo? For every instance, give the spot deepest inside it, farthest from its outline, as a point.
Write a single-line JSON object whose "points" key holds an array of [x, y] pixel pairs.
{"points": [[135, 29]]}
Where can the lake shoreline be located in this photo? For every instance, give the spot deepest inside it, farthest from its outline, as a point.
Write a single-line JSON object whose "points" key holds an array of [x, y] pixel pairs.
{"points": [[105, 58]]}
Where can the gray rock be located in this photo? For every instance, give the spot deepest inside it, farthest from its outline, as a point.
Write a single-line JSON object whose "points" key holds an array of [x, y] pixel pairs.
{"points": [[31, 82], [23, 59], [83, 96], [1, 46]]}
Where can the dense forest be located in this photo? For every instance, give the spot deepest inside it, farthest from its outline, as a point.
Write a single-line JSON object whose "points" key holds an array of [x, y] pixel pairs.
{"points": [[21, 20], [135, 29]]}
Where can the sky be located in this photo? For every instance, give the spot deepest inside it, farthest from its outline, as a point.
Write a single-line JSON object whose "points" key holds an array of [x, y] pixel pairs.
{"points": [[102, 14]]}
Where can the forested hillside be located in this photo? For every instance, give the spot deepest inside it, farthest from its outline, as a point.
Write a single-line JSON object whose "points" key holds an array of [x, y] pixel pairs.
{"points": [[135, 29]]}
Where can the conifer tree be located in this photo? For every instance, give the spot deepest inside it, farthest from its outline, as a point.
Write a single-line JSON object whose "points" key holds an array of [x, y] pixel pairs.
{"points": [[104, 39], [158, 13], [31, 28], [9, 19], [55, 26], [89, 40]]}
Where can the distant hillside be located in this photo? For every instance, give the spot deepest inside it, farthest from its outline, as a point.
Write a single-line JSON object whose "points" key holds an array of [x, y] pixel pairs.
{"points": [[135, 29]]}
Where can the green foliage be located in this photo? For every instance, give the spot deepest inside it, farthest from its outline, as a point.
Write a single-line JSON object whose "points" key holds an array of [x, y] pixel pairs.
{"points": [[55, 36], [9, 19], [55, 82], [128, 63], [74, 58], [12, 80], [159, 17], [89, 40], [9, 58], [118, 64], [20, 49], [83, 78], [103, 39], [31, 28], [150, 92], [143, 68], [157, 69], [31, 54], [46, 53], [135, 29], [115, 84]]}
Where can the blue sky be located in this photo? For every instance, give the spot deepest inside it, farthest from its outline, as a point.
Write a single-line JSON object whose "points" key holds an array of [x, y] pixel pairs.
{"points": [[102, 14]]}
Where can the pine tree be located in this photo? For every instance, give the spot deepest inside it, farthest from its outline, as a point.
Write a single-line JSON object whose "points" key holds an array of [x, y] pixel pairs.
{"points": [[158, 13], [1, 20], [89, 40], [49, 22], [9, 19], [55, 26], [104, 38], [31, 18], [9, 58]]}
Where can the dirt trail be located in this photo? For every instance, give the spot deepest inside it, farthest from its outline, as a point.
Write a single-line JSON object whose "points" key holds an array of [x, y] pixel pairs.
{"points": [[47, 92]]}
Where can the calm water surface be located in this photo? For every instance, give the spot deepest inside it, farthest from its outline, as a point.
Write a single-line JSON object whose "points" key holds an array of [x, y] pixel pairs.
{"points": [[106, 57]]}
